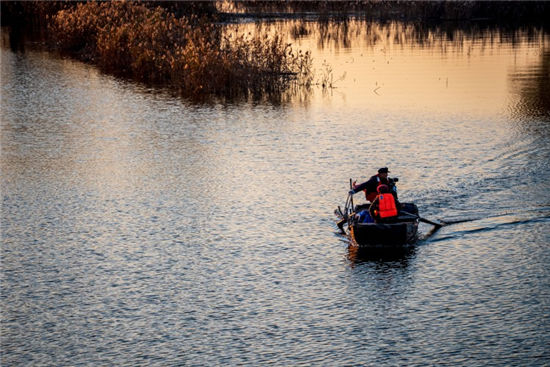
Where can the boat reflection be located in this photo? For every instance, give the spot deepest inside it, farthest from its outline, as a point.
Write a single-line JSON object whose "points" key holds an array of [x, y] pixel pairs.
{"points": [[400, 256]]}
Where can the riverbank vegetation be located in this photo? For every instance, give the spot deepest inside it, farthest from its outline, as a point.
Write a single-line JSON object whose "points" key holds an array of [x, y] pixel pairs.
{"points": [[510, 11], [186, 46], [191, 54]]}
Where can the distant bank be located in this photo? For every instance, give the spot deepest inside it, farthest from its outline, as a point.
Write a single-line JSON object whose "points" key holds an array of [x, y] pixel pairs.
{"points": [[182, 45]]}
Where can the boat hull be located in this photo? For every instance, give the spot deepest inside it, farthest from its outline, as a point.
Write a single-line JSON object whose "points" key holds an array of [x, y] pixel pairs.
{"points": [[402, 232], [384, 235]]}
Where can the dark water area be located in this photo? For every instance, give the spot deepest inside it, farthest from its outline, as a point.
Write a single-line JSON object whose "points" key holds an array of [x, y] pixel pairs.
{"points": [[141, 229]]}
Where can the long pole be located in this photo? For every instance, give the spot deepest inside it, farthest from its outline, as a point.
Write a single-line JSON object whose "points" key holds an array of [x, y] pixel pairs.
{"points": [[351, 195]]}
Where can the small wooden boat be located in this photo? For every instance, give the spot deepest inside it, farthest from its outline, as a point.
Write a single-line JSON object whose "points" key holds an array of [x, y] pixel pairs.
{"points": [[400, 232]]}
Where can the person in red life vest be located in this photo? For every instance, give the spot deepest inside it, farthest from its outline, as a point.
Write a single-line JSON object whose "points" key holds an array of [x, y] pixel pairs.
{"points": [[370, 186], [385, 206]]}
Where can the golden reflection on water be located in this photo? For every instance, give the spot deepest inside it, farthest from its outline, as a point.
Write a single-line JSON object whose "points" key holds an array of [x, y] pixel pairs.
{"points": [[398, 65], [92, 135]]}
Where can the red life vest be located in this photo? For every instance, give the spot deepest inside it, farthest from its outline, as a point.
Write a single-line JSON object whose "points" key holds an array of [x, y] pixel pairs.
{"points": [[386, 206]]}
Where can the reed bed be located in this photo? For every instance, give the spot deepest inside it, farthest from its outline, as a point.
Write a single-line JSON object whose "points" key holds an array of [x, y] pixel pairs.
{"points": [[191, 54]]}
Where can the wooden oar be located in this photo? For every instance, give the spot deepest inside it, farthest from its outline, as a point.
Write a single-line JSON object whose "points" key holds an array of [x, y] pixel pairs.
{"points": [[343, 215], [438, 225]]}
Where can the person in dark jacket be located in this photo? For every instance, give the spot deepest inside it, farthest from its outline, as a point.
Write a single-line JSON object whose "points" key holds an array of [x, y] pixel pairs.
{"points": [[372, 184], [385, 206]]}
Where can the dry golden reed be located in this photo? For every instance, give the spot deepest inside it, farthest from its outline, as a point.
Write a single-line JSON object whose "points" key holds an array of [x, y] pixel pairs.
{"points": [[190, 54]]}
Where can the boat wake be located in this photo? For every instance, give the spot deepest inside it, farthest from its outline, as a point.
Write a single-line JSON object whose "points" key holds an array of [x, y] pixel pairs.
{"points": [[464, 227]]}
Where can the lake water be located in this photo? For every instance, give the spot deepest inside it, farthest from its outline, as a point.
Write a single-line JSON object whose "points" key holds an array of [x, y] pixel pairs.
{"points": [[141, 229]]}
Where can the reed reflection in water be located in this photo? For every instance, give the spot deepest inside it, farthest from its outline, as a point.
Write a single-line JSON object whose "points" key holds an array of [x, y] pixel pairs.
{"points": [[449, 67]]}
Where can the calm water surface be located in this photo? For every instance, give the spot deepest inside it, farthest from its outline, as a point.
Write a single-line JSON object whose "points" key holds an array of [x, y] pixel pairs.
{"points": [[139, 229]]}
